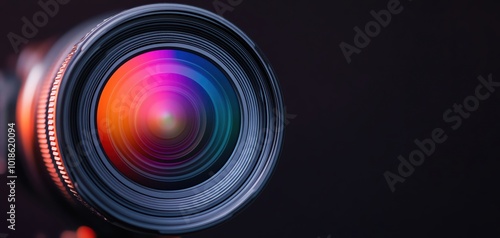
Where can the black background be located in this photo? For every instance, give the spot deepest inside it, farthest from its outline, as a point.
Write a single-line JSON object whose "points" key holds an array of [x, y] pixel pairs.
{"points": [[348, 123]]}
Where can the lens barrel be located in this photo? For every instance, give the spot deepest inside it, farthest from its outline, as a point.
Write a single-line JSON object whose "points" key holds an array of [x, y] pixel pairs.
{"points": [[163, 119]]}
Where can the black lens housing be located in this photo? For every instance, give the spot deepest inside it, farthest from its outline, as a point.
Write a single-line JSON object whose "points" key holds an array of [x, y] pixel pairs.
{"points": [[71, 135]]}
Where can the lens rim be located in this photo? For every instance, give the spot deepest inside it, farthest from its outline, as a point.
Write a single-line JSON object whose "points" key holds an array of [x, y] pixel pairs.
{"points": [[267, 131]]}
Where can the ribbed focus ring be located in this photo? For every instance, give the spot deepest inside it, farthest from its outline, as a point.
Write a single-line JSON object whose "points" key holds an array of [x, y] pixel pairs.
{"points": [[46, 133]]}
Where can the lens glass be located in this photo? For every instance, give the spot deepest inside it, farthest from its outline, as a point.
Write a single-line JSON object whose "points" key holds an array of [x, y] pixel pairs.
{"points": [[168, 118]]}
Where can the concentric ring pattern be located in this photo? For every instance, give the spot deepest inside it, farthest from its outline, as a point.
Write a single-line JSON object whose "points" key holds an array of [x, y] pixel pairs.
{"points": [[174, 114]]}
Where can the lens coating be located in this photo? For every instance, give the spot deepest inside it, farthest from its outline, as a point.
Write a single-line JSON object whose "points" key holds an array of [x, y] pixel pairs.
{"points": [[166, 117]]}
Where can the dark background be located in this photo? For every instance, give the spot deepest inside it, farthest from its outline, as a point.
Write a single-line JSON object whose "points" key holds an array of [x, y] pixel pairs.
{"points": [[348, 123]]}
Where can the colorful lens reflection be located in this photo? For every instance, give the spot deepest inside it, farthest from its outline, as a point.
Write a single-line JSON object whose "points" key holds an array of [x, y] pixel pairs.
{"points": [[168, 118]]}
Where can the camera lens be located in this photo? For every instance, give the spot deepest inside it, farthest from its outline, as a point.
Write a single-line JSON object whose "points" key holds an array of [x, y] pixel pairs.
{"points": [[163, 119]]}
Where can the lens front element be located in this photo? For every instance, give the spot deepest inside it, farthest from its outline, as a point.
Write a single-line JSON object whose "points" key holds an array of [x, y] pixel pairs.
{"points": [[168, 118]]}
